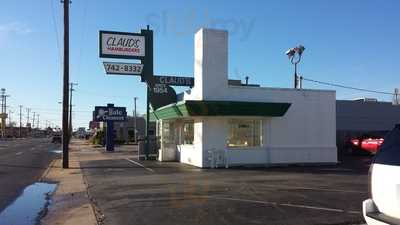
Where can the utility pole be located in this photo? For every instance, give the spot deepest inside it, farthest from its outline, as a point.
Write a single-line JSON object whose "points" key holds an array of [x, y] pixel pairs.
{"points": [[38, 121], [135, 123], [20, 121], [33, 121], [2, 111], [27, 118], [3, 92], [71, 89], [3, 114], [396, 97], [65, 86], [9, 117]]}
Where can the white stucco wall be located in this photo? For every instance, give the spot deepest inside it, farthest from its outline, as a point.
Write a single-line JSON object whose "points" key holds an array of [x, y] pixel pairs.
{"points": [[210, 63], [305, 134]]}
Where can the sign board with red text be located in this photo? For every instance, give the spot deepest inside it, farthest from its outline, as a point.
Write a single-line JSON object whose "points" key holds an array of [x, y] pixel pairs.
{"points": [[124, 45]]}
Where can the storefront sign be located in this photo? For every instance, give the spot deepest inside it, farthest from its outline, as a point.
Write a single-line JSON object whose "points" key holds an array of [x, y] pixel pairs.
{"points": [[104, 113], [160, 89], [123, 68], [121, 45], [161, 95], [174, 81]]}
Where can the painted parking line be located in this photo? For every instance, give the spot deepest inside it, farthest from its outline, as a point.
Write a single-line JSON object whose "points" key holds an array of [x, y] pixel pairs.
{"points": [[19, 153], [139, 164], [313, 189], [285, 204]]}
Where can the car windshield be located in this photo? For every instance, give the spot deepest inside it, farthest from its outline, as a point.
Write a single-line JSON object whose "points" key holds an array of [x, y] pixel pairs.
{"points": [[389, 153]]}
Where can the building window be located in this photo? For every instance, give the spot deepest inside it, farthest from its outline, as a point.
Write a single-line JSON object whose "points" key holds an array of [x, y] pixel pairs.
{"points": [[244, 133], [168, 132], [188, 132]]}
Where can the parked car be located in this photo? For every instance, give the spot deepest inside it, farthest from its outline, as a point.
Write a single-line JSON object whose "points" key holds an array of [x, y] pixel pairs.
{"points": [[56, 138], [365, 144], [383, 206]]}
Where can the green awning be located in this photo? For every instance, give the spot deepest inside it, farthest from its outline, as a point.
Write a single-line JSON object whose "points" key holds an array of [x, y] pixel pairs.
{"points": [[220, 108]]}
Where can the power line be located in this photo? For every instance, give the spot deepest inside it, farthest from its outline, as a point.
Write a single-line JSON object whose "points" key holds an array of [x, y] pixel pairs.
{"points": [[50, 109], [82, 38], [109, 96], [347, 87], [55, 29]]}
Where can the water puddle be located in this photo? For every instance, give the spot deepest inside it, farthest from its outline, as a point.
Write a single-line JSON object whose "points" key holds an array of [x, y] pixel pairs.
{"points": [[29, 206], [56, 151]]}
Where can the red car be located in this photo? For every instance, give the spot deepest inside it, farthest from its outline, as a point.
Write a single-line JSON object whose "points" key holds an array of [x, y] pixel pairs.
{"points": [[365, 144]]}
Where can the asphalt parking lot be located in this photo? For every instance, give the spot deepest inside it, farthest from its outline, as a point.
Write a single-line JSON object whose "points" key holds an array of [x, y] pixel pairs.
{"points": [[127, 191]]}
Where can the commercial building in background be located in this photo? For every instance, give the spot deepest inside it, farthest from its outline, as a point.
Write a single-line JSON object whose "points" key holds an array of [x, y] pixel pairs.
{"points": [[124, 131], [220, 123], [364, 116], [13, 132]]}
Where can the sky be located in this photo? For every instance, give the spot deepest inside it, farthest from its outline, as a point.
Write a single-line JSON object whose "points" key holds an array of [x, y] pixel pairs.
{"points": [[353, 43]]}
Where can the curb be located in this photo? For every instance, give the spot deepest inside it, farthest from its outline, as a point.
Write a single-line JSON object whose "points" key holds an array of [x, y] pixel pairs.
{"points": [[46, 172]]}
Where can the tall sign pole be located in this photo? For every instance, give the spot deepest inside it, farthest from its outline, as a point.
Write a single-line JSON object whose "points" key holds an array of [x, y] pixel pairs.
{"points": [[139, 46], [65, 133], [147, 75], [135, 121]]}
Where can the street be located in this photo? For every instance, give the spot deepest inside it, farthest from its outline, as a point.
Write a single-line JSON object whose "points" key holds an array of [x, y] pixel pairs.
{"points": [[22, 162]]}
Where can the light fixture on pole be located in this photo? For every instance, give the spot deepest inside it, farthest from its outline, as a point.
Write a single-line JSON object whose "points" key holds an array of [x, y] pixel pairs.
{"points": [[294, 55]]}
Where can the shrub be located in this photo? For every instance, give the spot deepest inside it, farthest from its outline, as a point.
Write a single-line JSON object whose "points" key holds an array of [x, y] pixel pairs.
{"points": [[98, 138]]}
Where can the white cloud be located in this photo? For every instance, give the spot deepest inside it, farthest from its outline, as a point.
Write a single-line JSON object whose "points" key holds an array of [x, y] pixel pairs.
{"points": [[14, 28], [8, 30]]}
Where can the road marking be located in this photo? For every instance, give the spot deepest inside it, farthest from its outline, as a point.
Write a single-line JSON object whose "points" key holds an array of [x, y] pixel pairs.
{"points": [[136, 163], [19, 153], [286, 204], [312, 189]]}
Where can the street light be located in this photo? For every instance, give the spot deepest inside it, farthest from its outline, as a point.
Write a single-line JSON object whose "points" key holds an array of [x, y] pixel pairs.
{"points": [[294, 55]]}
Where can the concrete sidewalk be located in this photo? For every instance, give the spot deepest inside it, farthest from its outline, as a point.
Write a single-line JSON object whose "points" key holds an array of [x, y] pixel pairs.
{"points": [[70, 203]]}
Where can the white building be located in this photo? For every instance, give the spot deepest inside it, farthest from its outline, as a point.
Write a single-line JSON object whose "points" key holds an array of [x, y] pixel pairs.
{"points": [[216, 124]]}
